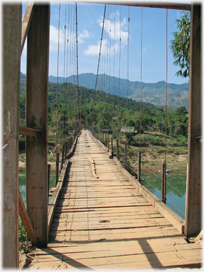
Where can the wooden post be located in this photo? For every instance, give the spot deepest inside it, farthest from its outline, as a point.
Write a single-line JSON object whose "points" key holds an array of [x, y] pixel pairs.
{"points": [[112, 147], [36, 117], [62, 157], [163, 191], [57, 169], [139, 166], [125, 155], [85, 113], [49, 166], [117, 149], [11, 42], [193, 216]]}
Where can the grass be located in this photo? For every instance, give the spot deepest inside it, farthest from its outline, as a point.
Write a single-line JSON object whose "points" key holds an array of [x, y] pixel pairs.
{"points": [[153, 153], [24, 244]]}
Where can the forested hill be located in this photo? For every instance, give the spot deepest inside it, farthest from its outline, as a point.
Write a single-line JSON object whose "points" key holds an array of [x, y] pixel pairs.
{"points": [[102, 109], [70, 93], [154, 93]]}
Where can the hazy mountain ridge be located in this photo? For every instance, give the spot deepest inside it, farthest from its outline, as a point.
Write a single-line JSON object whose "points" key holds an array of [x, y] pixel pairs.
{"points": [[154, 93]]}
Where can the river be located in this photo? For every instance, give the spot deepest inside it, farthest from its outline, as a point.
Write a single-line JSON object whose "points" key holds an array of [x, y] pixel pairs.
{"points": [[22, 184], [175, 189], [176, 182]]}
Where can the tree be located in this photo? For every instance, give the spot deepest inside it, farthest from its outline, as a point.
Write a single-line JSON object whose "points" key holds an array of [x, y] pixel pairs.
{"points": [[180, 46]]}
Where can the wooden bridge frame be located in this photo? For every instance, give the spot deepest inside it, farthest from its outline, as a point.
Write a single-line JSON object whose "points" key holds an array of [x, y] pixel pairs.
{"points": [[35, 26]]}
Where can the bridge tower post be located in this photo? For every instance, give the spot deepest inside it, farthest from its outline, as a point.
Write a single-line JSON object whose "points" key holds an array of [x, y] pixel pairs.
{"points": [[36, 117], [11, 42], [193, 190]]}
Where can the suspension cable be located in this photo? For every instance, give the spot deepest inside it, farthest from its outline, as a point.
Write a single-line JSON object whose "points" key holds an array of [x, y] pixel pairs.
{"points": [[128, 54], [65, 42], [110, 49], [107, 52], [114, 58], [77, 62], [175, 206], [100, 47], [67, 74], [141, 79], [57, 78], [175, 189], [119, 72], [166, 78]]}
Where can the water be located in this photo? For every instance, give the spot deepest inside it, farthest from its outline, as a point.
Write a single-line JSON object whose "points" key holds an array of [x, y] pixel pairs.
{"points": [[176, 180], [175, 189], [22, 184]]}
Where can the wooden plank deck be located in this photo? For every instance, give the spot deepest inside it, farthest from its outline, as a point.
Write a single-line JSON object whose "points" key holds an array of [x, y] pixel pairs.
{"points": [[105, 223]]}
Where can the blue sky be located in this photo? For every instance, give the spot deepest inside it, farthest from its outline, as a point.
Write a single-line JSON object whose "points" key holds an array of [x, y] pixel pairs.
{"points": [[90, 17]]}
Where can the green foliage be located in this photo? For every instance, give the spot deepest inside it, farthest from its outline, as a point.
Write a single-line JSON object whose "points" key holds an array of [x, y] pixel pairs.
{"points": [[22, 233], [24, 243], [22, 157], [180, 46], [51, 159], [102, 109]]}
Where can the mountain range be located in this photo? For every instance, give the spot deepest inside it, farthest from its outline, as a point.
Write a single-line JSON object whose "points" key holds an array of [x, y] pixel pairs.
{"points": [[154, 93]]}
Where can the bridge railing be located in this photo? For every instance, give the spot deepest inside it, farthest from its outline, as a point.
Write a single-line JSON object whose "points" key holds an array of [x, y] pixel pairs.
{"points": [[133, 164], [67, 152]]}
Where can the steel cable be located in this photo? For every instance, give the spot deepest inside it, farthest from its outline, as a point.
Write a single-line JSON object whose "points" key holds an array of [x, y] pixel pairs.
{"points": [[100, 46], [57, 78], [175, 189], [175, 206]]}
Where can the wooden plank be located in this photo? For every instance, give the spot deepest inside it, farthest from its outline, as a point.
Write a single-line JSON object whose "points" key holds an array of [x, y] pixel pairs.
{"points": [[26, 221], [26, 24], [134, 261], [26, 131], [107, 223], [111, 249]]}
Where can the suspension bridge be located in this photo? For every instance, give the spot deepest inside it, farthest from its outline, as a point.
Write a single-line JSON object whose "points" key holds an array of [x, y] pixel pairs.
{"points": [[99, 215]]}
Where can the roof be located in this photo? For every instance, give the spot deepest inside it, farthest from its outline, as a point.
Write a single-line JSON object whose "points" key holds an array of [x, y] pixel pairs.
{"points": [[104, 129], [127, 129]]}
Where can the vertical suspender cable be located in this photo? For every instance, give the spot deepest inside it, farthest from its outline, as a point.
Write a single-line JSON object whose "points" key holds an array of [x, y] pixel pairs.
{"points": [[100, 47], [107, 52], [110, 49], [119, 62], [100, 51], [77, 62], [57, 78], [67, 74], [141, 77], [114, 58], [166, 76], [65, 42], [70, 59], [128, 54]]}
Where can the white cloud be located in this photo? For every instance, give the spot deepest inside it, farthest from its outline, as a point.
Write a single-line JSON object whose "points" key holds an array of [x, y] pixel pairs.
{"points": [[54, 38], [115, 29], [94, 49], [70, 37], [85, 34]]}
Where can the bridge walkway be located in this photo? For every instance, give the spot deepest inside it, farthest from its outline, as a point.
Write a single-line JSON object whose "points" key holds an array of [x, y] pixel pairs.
{"points": [[102, 221]]}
